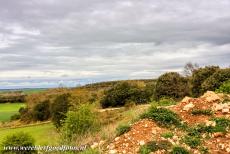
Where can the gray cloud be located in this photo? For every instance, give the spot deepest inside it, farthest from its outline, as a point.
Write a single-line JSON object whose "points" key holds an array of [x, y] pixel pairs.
{"points": [[105, 40]]}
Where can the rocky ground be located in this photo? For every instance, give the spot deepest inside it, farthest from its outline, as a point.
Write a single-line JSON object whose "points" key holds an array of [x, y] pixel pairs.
{"points": [[147, 130]]}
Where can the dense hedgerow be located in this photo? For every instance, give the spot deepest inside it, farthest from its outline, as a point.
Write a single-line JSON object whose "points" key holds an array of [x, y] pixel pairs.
{"points": [[216, 80], [171, 85], [122, 93], [199, 76]]}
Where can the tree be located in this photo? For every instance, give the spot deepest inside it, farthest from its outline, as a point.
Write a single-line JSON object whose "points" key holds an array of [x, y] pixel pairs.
{"points": [[122, 93], [171, 85], [189, 68], [59, 109], [41, 111], [216, 79], [199, 76], [79, 122]]}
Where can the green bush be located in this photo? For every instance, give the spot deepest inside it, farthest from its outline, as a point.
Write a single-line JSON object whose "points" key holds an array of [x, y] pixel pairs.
{"points": [[192, 141], [222, 125], [19, 139], [179, 150], [171, 85], [207, 112], [121, 129], [224, 88], [41, 111], [216, 79], [15, 117], [154, 146], [199, 76], [162, 116], [80, 122], [122, 93], [59, 109], [167, 135]]}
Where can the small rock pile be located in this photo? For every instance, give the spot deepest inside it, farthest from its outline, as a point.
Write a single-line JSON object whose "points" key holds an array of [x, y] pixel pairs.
{"points": [[209, 101], [146, 130], [141, 132]]}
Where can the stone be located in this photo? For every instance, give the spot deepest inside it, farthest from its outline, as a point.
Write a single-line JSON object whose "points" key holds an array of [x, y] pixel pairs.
{"points": [[186, 99], [228, 150], [188, 107], [112, 151], [211, 96], [225, 110], [117, 138], [218, 134], [142, 142]]}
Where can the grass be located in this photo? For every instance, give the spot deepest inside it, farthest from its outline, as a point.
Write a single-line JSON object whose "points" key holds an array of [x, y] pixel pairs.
{"points": [[207, 112], [9, 109], [44, 134]]}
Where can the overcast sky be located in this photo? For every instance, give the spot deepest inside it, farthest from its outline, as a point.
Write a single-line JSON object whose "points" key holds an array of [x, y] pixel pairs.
{"points": [[43, 42]]}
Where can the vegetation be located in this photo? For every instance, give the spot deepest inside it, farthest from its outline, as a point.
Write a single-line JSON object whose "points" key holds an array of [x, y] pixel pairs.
{"points": [[167, 135], [164, 102], [122, 93], [192, 141], [216, 80], [41, 111], [199, 76], [79, 122], [59, 108], [19, 139], [179, 150], [171, 85], [224, 88], [207, 112], [121, 129], [162, 116], [154, 146]]}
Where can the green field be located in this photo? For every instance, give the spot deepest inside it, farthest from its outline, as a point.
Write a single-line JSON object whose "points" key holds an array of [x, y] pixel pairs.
{"points": [[44, 134], [9, 109]]}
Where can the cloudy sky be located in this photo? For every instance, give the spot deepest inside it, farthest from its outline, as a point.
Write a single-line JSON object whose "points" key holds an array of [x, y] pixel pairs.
{"points": [[44, 43]]}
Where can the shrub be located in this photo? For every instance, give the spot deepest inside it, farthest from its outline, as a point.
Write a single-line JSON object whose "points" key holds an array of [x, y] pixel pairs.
{"points": [[15, 117], [41, 111], [207, 112], [154, 146], [162, 116], [171, 85], [167, 135], [124, 92], [216, 79], [179, 150], [224, 88], [222, 125], [59, 109], [199, 76], [192, 141], [121, 129], [203, 150], [19, 139], [80, 122]]}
